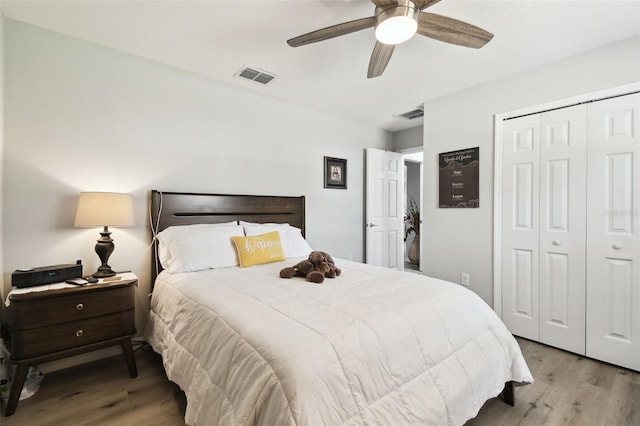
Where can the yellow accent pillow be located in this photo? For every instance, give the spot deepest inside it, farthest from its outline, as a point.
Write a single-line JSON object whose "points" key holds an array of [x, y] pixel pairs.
{"points": [[259, 249]]}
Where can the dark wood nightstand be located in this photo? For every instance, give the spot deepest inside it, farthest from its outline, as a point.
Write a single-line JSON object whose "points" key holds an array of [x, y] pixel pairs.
{"points": [[58, 323]]}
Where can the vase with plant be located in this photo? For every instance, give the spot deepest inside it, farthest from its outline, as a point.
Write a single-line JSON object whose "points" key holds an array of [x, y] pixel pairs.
{"points": [[412, 219]]}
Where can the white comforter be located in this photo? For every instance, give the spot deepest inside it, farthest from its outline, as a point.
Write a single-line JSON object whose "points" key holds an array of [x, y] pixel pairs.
{"points": [[372, 347]]}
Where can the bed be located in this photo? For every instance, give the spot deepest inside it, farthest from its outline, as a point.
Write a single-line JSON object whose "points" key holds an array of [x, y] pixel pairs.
{"points": [[374, 346]]}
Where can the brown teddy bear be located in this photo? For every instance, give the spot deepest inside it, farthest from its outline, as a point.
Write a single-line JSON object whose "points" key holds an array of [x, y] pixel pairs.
{"points": [[315, 268]]}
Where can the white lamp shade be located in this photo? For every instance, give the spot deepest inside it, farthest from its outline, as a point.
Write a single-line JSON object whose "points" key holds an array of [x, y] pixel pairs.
{"points": [[104, 209]]}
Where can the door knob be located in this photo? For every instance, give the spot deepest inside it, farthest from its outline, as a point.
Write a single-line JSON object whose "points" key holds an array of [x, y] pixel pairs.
{"points": [[555, 242], [617, 246], [371, 225]]}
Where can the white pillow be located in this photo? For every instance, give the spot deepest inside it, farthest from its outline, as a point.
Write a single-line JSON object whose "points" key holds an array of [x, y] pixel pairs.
{"points": [[293, 243], [196, 247]]}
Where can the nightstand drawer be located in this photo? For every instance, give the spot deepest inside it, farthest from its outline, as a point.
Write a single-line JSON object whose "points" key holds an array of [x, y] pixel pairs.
{"points": [[38, 341], [76, 305]]}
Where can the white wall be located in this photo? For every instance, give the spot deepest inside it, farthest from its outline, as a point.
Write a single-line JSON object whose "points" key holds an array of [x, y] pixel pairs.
{"points": [[406, 139], [83, 117], [461, 240]]}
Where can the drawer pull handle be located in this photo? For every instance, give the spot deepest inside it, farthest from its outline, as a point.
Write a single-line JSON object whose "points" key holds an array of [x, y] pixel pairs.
{"points": [[79, 333], [79, 307], [617, 246]]}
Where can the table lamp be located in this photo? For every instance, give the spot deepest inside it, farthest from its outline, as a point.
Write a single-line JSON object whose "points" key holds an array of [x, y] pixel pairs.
{"points": [[104, 209]]}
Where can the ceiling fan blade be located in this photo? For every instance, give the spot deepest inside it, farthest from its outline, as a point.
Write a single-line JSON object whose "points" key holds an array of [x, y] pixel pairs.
{"points": [[333, 31], [379, 59], [423, 4], [452, 31], [385, 3]]}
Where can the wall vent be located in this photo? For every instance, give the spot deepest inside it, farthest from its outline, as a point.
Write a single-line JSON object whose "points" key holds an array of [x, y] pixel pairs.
{"points": [[255, 74], [413, 114]]}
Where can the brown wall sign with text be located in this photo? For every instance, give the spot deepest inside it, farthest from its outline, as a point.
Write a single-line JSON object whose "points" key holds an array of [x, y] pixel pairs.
{"points": [[459, 178]]}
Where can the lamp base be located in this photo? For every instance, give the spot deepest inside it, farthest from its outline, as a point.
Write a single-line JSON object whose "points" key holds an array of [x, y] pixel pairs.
{"points": [[103, 272], [104, 248]]}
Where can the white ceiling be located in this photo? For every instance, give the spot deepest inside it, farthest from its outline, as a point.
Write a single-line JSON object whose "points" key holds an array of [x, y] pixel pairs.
{"points": [[216, 38]]}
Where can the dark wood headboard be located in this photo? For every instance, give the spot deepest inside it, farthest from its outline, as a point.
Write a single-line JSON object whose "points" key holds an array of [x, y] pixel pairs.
{"points": [[185, 208]]}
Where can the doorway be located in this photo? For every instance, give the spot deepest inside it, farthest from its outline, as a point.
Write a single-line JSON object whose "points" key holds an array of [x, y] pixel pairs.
{"points": [[412, 202], [388, 198]]}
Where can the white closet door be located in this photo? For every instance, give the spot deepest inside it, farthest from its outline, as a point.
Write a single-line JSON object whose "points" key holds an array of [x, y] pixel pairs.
{"points": [[520, 233], [613, 239], [563, 163]]}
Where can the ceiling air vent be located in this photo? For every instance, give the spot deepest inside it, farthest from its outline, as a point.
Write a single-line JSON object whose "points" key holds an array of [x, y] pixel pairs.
{"points": [[255, 74], [414, 113]]}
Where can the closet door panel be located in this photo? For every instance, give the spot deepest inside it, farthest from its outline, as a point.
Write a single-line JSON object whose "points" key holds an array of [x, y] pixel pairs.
{"points": [[563, 227], [520, 211], [613, 238]]}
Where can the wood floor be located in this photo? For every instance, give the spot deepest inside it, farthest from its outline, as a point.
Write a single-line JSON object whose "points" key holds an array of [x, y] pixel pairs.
{"points": [[568, 390]]}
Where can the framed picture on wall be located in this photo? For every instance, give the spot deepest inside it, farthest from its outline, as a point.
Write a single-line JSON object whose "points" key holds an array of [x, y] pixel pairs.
{"points": [[335, 173]]}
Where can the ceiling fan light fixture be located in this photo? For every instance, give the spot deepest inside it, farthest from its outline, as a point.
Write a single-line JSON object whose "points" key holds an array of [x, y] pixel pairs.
{"points": [[396, 24]]}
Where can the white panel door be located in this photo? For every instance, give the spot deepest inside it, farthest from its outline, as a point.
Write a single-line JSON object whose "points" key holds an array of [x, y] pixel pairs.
{"points": [[520, 233], [384, 209], [563, 164], [613, 236]]}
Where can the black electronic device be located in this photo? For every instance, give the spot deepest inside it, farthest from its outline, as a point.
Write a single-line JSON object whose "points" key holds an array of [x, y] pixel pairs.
{"points": [[46, 275]]}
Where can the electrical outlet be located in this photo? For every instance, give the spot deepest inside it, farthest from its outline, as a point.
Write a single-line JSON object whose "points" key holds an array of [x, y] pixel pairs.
{"points": [[465, 279]]}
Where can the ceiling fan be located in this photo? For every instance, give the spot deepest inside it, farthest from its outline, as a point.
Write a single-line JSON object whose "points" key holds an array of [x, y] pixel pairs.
{"points": [[396, 21]]}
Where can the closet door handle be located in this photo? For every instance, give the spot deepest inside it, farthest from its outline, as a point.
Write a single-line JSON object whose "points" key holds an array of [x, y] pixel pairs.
{"points": [[371, 225], [617, 246], [555, 242]]}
